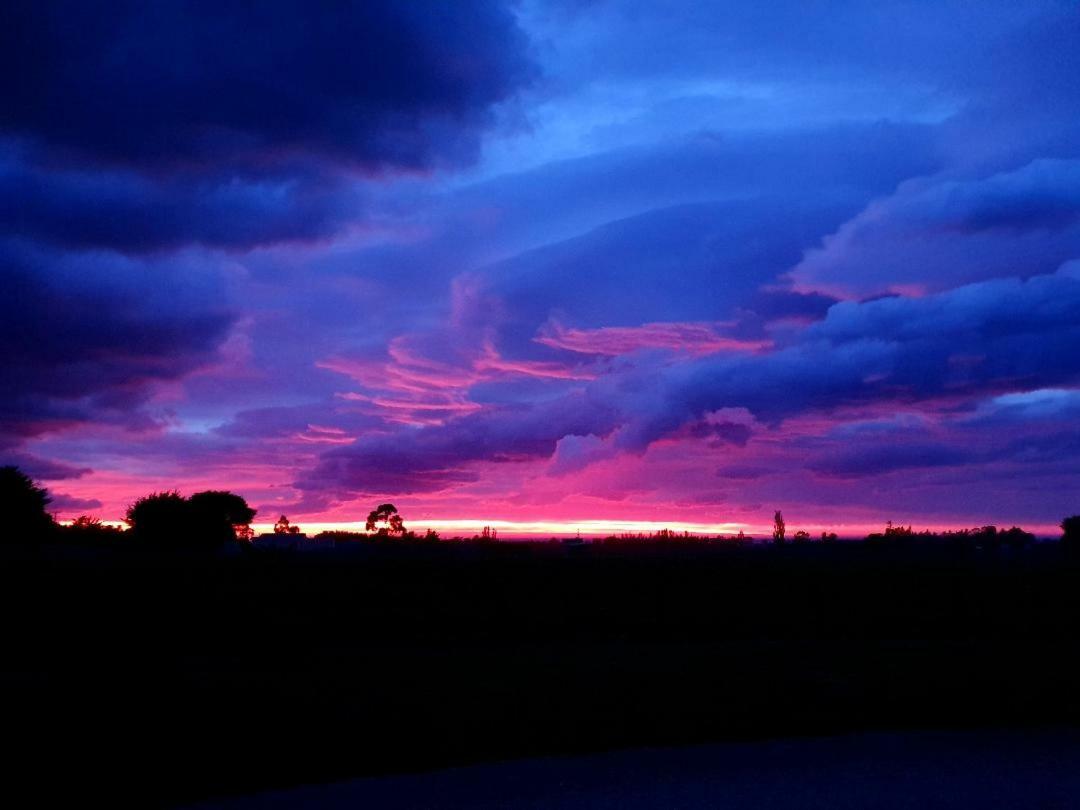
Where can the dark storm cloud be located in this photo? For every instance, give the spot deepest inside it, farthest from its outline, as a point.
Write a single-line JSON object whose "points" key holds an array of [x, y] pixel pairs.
{"points": [[142, 130], [168, 84], [142, 127], [99, 208], [83, 336]]}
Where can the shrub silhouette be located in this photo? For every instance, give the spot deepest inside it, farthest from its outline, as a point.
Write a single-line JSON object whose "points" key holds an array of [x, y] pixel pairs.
{"points": [[90, 528], [23, 506], [206, 520], [162, 518], [216, 515]]}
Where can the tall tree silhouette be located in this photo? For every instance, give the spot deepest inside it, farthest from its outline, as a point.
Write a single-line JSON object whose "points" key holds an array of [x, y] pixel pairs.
{"points": [[779, 528], [22, 506], [387, 515]]}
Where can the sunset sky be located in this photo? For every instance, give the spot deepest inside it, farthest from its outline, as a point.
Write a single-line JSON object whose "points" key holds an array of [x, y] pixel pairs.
{"points": [[546, 262]]}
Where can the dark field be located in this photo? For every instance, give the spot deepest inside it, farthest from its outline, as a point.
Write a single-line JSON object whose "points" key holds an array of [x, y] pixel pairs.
{"points": [[152, 678]]}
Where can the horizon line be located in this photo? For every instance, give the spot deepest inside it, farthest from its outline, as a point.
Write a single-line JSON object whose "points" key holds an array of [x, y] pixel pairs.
{"points": [[468, 527]]}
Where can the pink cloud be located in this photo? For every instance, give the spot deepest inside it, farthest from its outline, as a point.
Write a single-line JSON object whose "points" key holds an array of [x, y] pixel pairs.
{"points": [[492, 365], [407, 386], [693, 338]]}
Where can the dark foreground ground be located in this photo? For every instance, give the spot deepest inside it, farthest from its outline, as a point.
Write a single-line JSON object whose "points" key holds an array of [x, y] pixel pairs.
{"points": [[906, 771], [156, 679]]}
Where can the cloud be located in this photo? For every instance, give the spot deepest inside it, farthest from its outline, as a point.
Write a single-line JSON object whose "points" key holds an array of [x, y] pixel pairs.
{"points": [[695, 338], [435, 457], [935, 233], [860, 461], [142, 128], [502, 254], [42, 469], [69, 503], [85, 336], [1040, 405], [122, 209], [378, 85], [981, 338], [573, 453]]}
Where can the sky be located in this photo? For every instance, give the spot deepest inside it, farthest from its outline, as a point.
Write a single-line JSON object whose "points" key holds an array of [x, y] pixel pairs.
{"points": [[547, 263]]}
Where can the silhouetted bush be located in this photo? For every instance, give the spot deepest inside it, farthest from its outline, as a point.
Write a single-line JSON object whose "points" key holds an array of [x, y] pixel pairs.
{"points": [[216, 515], [87, 528], [1070, 534], [161, 518], [22, 507], [340, 536], [206, 520]]}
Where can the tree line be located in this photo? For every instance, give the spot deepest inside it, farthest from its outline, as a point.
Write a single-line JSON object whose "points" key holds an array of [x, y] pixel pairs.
{"points": [[212, 518], [207, 519]]}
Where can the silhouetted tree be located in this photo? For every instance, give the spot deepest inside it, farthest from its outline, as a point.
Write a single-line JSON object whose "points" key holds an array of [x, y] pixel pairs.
{"points": [[897, 531], [1070, 534], [1017, 537], [161, 518], [217, 515], [801, 536], [779, 528], [387, 515], [284, 527], [22, 506]]}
